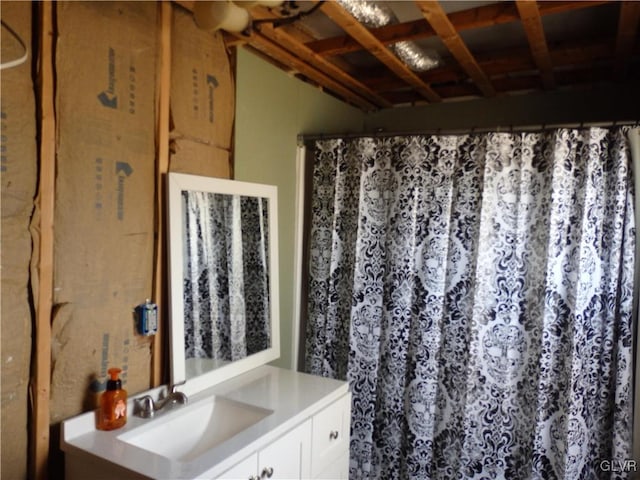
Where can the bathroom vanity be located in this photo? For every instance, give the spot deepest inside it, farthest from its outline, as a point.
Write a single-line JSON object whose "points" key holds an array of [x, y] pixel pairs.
{"points": [[271, 423], [243, 419]]}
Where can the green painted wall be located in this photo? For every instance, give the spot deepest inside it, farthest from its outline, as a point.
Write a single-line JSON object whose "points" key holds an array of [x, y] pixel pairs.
{"points": [[272, 109]]}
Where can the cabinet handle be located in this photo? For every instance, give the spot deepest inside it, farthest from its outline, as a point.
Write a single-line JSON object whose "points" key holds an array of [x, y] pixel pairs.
{"points": [[267, 472], [333, 435]]}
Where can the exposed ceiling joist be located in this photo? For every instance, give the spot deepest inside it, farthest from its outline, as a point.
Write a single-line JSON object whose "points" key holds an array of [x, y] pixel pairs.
{"points": [[480, 17], [568, 44], [287, 41], [578, 79], [297, 31], [363, 36], [532, 23], [511, 61], [275, 51], [441, 24]]}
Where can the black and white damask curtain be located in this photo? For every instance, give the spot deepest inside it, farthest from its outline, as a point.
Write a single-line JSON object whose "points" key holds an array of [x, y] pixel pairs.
{"points": [[476, 292], [226, 277]]}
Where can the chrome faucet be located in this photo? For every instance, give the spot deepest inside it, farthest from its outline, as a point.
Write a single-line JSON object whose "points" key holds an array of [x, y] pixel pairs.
{"points": [[146, 407]]}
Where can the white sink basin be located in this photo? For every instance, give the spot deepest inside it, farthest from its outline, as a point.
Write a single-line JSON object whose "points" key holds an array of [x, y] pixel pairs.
{"points": [[190, 430]]}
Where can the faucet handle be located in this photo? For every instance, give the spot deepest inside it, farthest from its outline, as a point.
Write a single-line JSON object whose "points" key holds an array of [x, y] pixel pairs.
{"points": [[145, 407], [174, 386]]}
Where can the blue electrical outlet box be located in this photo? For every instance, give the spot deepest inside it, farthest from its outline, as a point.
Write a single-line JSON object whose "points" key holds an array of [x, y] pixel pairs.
{"points": [[147, 318]]}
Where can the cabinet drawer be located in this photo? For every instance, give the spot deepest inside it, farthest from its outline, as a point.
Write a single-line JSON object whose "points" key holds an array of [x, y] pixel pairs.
{"points": [[336, 470], [330, 437]]}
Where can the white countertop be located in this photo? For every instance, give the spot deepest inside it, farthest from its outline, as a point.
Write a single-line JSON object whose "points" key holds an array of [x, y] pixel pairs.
{"points": [[292, 396]]}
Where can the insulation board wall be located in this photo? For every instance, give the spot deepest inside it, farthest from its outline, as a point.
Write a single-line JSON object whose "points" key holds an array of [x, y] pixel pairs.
{"points": [[18, 173], [106, 55], [202, 100]]}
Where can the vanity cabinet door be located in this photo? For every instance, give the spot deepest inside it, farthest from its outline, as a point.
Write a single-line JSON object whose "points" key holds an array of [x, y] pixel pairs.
{"points": [[336, 470], [330, 439], [289, 457], [245, 470]]}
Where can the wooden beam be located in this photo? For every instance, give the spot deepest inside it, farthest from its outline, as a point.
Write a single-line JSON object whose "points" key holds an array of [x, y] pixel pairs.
{"points": [[532, 23], [262, 43], [509, 61], [275, 51], [162, 167], [297, 30], [408, 31], [583, 52], [439, 21], [308, 56], [41, 381], [485, 16], [300, 32], [627, 31], [363, 36], [583, 78]]}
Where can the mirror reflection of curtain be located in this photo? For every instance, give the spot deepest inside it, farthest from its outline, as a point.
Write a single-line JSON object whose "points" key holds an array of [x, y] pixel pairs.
{"points": [[476, 292], [226, 277]]}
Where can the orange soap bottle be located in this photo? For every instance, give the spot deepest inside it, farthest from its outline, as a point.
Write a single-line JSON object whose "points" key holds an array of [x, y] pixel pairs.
{"points": [[113, 403]]}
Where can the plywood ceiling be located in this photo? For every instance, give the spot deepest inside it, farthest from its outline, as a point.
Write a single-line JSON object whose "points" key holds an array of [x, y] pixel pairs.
{"points": [[486, 49]]}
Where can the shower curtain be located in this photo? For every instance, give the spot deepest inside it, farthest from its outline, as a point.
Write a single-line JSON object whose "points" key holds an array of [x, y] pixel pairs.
{"points": [[476, 293], [226, 277]]}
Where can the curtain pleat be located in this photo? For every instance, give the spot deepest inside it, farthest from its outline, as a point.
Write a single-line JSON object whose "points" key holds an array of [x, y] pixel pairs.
{"points": [[476, 292]]}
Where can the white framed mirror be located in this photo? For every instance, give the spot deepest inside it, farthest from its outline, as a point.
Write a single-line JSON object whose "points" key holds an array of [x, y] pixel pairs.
{"points": [[223, 271]]}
